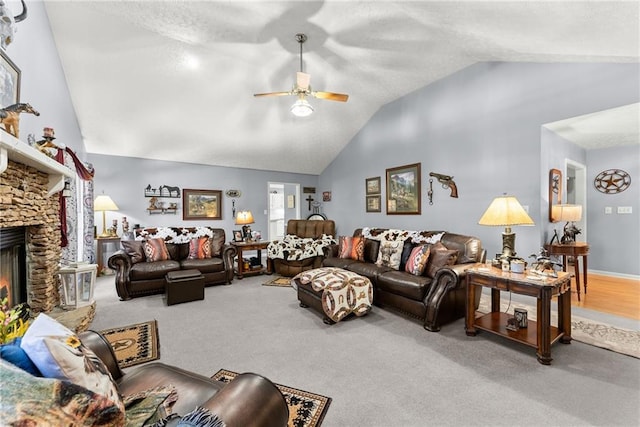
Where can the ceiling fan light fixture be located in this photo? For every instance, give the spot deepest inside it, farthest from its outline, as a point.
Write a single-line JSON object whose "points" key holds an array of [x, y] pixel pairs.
{"points": [[301, 108]]}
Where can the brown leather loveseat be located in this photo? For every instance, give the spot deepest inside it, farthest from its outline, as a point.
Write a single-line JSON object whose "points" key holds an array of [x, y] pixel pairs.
{"points": [[435, 299], [302, 247], [136, 276], [248, 400]]}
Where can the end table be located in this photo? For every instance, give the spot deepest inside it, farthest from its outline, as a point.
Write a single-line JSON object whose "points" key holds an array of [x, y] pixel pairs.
{"points": [[258, 246], [574, 249]]}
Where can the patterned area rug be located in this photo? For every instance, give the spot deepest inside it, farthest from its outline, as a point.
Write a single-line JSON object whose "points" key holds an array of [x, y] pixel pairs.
{"points": [[284, 282], [305, 409], [134, 344], [587, 331]]}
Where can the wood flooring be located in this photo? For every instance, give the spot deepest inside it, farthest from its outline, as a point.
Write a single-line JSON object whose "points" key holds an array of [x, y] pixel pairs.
{"points": [[607, 294]]}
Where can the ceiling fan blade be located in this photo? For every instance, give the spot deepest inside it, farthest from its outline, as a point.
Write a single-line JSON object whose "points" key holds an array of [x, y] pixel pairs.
{"points": [[303, 80], [341, 97], [273, 94]]}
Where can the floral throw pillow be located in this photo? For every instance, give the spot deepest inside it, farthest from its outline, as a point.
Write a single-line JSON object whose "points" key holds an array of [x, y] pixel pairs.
{"points": [[390, 254], [156, 250], [351, 247], [417, 261], [199, 248]]}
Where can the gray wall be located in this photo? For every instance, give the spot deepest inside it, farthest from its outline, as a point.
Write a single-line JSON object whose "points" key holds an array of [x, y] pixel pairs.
{"points": [[483, 126]]}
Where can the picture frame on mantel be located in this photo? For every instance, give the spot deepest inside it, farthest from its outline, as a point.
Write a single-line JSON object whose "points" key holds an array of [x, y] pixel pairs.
{"points": [[9, 81], [201, 204], [404, 190]]}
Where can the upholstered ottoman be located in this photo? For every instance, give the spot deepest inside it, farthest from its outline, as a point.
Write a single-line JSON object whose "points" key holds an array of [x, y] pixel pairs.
{"points": [[334, 292], [184, 286]]}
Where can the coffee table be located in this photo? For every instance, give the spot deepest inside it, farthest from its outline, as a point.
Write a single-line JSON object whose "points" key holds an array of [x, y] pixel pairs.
{"points": [[539, 334]]}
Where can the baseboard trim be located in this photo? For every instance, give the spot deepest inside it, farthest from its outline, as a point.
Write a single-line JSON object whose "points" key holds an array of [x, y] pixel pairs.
{"points": [[613, 274]]}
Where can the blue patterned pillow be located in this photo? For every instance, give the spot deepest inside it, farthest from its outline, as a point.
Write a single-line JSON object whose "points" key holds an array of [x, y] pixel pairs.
{"points": [[13, 353]]}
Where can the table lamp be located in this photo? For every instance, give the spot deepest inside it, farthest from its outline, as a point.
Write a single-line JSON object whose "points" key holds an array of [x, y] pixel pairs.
{"points": [[506, 211], [102, 204], [569, 213], [245, 218]]}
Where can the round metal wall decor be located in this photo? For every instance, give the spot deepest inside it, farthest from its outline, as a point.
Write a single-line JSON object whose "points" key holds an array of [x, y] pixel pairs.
{"points": [[612, 181]]}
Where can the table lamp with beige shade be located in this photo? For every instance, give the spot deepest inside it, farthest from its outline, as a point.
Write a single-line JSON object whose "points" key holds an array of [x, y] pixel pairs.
{"points": [[506, 211], [104, 203], [245, 218]]}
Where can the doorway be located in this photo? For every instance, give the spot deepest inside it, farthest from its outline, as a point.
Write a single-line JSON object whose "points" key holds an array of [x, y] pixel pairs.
{"points": [[576, 186], [284, 204]]}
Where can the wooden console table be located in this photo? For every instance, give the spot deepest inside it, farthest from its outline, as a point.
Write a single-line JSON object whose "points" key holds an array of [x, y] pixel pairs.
{"points": [[539, 334], [574, 249], [251, 246]]}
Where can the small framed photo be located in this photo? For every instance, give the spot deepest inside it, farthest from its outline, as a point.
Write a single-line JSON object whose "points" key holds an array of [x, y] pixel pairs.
{"points": [[326, 196], [373, 204], [9, 81], [373, 185], [201, 204], [237, 236]]}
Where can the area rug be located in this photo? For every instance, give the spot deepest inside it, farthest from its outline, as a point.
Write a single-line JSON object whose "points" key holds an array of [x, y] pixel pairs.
{"points": [[305, 409], [134, 344], [587, 331], [284, 282]]}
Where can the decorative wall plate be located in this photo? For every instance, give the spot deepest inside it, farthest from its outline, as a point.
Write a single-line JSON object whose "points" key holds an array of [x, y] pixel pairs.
{"points": [[233, 193], [612, 181]]}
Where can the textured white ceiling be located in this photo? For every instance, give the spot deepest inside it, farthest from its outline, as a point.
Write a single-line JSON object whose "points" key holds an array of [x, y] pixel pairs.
{"points": [[174, 80]]}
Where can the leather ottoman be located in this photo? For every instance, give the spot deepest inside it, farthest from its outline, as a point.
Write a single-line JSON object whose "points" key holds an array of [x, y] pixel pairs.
{"points": [[184, 286]]}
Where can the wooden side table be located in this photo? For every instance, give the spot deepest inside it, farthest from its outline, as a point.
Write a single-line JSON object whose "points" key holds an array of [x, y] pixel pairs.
{"points": [[574, 249], [539, 334], [101, 243], [241, 247]]}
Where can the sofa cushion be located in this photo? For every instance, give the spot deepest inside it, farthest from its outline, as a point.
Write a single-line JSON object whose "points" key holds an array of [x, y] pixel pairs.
{"points": [[404, 284], [390, 253], [205, 265], [351, 247], [417, 262], [407, 247], [156, 250], [440, 257], [199, 248], [338, 262], [371, 249], [217, 243], [367, 269], [135, 250], [177, 251], [152, 270]]}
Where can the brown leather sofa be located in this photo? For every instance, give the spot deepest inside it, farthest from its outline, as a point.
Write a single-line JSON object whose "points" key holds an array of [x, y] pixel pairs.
{"points": [[248, 400], [435, 301], [136, 277], [305, 229]]}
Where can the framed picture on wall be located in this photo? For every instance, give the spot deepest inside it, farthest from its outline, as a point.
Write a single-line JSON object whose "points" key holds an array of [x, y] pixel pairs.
{"points": [[373, 203], [403, 190], [372, 185], [9, 81], [201, 204]]}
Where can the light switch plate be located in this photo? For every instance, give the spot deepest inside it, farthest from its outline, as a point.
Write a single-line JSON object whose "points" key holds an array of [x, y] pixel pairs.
{"points": [[608, 210]]}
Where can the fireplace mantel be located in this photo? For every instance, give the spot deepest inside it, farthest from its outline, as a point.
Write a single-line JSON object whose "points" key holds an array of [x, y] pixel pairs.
{"points": [[12, 148]]}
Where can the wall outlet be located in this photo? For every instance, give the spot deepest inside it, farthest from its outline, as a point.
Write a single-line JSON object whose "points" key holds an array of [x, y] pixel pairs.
{"points": [[608, 210], [624, 209]]}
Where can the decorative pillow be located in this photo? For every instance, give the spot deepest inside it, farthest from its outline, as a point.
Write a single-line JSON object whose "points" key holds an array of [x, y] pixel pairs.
{"points": [[200, 248], [440, 257], [390, 253], [134, 248], [217, 243], [351, 247], [58, 353], [156, 250], [417, 261], [30, 401], [406, 251], [13, 353]]}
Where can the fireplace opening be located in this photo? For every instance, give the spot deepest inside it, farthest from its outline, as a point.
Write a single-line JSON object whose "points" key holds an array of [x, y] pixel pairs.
{"points": [[13, 265]]}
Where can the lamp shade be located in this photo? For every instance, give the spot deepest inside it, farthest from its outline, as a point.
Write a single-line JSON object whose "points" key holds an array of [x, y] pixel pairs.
{"points": [[104, 203], [505, 211], [566, 212], [244, 217], [301, 108]]}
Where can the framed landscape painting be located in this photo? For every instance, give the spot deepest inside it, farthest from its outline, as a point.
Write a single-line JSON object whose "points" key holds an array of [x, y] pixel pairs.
{"points": [[403, 190], [201, 204], [373, 185], [373, 203]]}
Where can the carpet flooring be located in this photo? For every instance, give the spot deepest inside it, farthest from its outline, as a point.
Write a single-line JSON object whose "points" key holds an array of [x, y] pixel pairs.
{"points": [[134, 344], [305, 409]]}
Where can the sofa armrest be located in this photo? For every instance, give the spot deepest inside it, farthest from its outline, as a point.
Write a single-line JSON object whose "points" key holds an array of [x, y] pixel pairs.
{"points": [[250, 399], [121, 263], [97, 343], [228, 254], [447, 279]]}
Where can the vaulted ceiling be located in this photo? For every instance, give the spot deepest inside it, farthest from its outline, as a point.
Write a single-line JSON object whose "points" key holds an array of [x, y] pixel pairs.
{"points": [[174, 80]]}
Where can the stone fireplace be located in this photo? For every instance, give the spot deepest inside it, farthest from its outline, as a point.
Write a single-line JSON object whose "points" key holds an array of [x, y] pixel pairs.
{"points": [[30, 183]]}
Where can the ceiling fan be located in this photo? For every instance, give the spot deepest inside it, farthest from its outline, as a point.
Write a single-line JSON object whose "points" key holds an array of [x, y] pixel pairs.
{"points": [[302, 89]]}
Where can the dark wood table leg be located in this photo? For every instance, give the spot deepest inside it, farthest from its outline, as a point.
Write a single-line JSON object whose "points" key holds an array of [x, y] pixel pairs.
{"points": [[564, 314], [240, 263], [471, 309], [495, 300], [543, 324], [577, 271], [584, 272]]}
